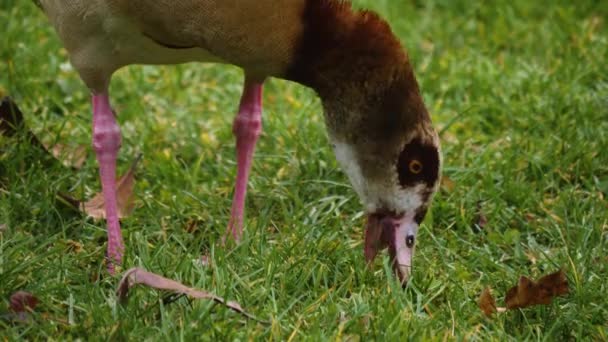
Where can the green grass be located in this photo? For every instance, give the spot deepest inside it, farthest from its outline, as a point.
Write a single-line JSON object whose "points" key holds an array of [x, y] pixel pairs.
{"points": [[519, 90]]}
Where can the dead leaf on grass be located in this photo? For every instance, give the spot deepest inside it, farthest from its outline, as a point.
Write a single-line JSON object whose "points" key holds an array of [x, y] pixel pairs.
{"points": [[21, 304], [22, 301], [487, 304], [527, 293], [95, 207], [136, 276]]}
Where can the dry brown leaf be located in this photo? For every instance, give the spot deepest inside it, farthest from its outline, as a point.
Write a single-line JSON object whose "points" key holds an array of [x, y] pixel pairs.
{"points": [[95, 207], [22, 301], [21, 304], [136, 276], [487, 304], [528, 292]]}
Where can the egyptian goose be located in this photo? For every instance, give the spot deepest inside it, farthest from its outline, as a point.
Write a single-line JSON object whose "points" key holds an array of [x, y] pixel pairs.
{"points": [[378, 125]]}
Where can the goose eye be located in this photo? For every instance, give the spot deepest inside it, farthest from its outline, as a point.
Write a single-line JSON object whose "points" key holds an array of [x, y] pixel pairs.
{"points": [[409, 241], [418, 163], [415, 166]]}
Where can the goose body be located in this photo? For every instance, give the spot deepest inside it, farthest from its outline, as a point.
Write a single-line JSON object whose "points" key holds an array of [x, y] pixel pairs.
{"points": [[102, 36], [377, 122]]}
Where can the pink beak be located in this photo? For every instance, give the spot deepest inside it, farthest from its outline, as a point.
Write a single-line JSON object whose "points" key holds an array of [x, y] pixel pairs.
{"points": [[396, 233]]}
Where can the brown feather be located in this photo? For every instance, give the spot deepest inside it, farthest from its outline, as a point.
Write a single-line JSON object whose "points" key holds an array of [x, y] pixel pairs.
{"points": [[364, 77]]}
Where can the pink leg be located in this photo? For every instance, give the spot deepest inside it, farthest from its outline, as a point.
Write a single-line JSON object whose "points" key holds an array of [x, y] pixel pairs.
{"points": [[247, 128], [106, 142]]}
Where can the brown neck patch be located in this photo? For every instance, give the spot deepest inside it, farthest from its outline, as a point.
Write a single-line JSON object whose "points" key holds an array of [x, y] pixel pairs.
{"points": [[339, 44], [360, 71]]}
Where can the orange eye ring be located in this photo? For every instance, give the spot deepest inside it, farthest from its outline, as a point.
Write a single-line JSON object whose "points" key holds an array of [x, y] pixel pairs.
{"points": [[415, 166]]}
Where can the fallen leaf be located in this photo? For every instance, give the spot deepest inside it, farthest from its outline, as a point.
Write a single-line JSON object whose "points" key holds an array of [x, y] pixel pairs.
{"points": [[21, 304], [137, 275], [95, 207], [528, 292], [22, 301], [487, 304], [3, 227]]}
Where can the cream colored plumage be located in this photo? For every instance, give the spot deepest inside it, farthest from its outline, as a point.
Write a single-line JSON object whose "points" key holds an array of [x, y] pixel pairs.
{"points": [[102, 36]]}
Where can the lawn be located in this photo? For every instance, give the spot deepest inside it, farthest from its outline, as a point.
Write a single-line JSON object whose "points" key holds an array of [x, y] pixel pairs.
{"points": [[518, 90]]}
